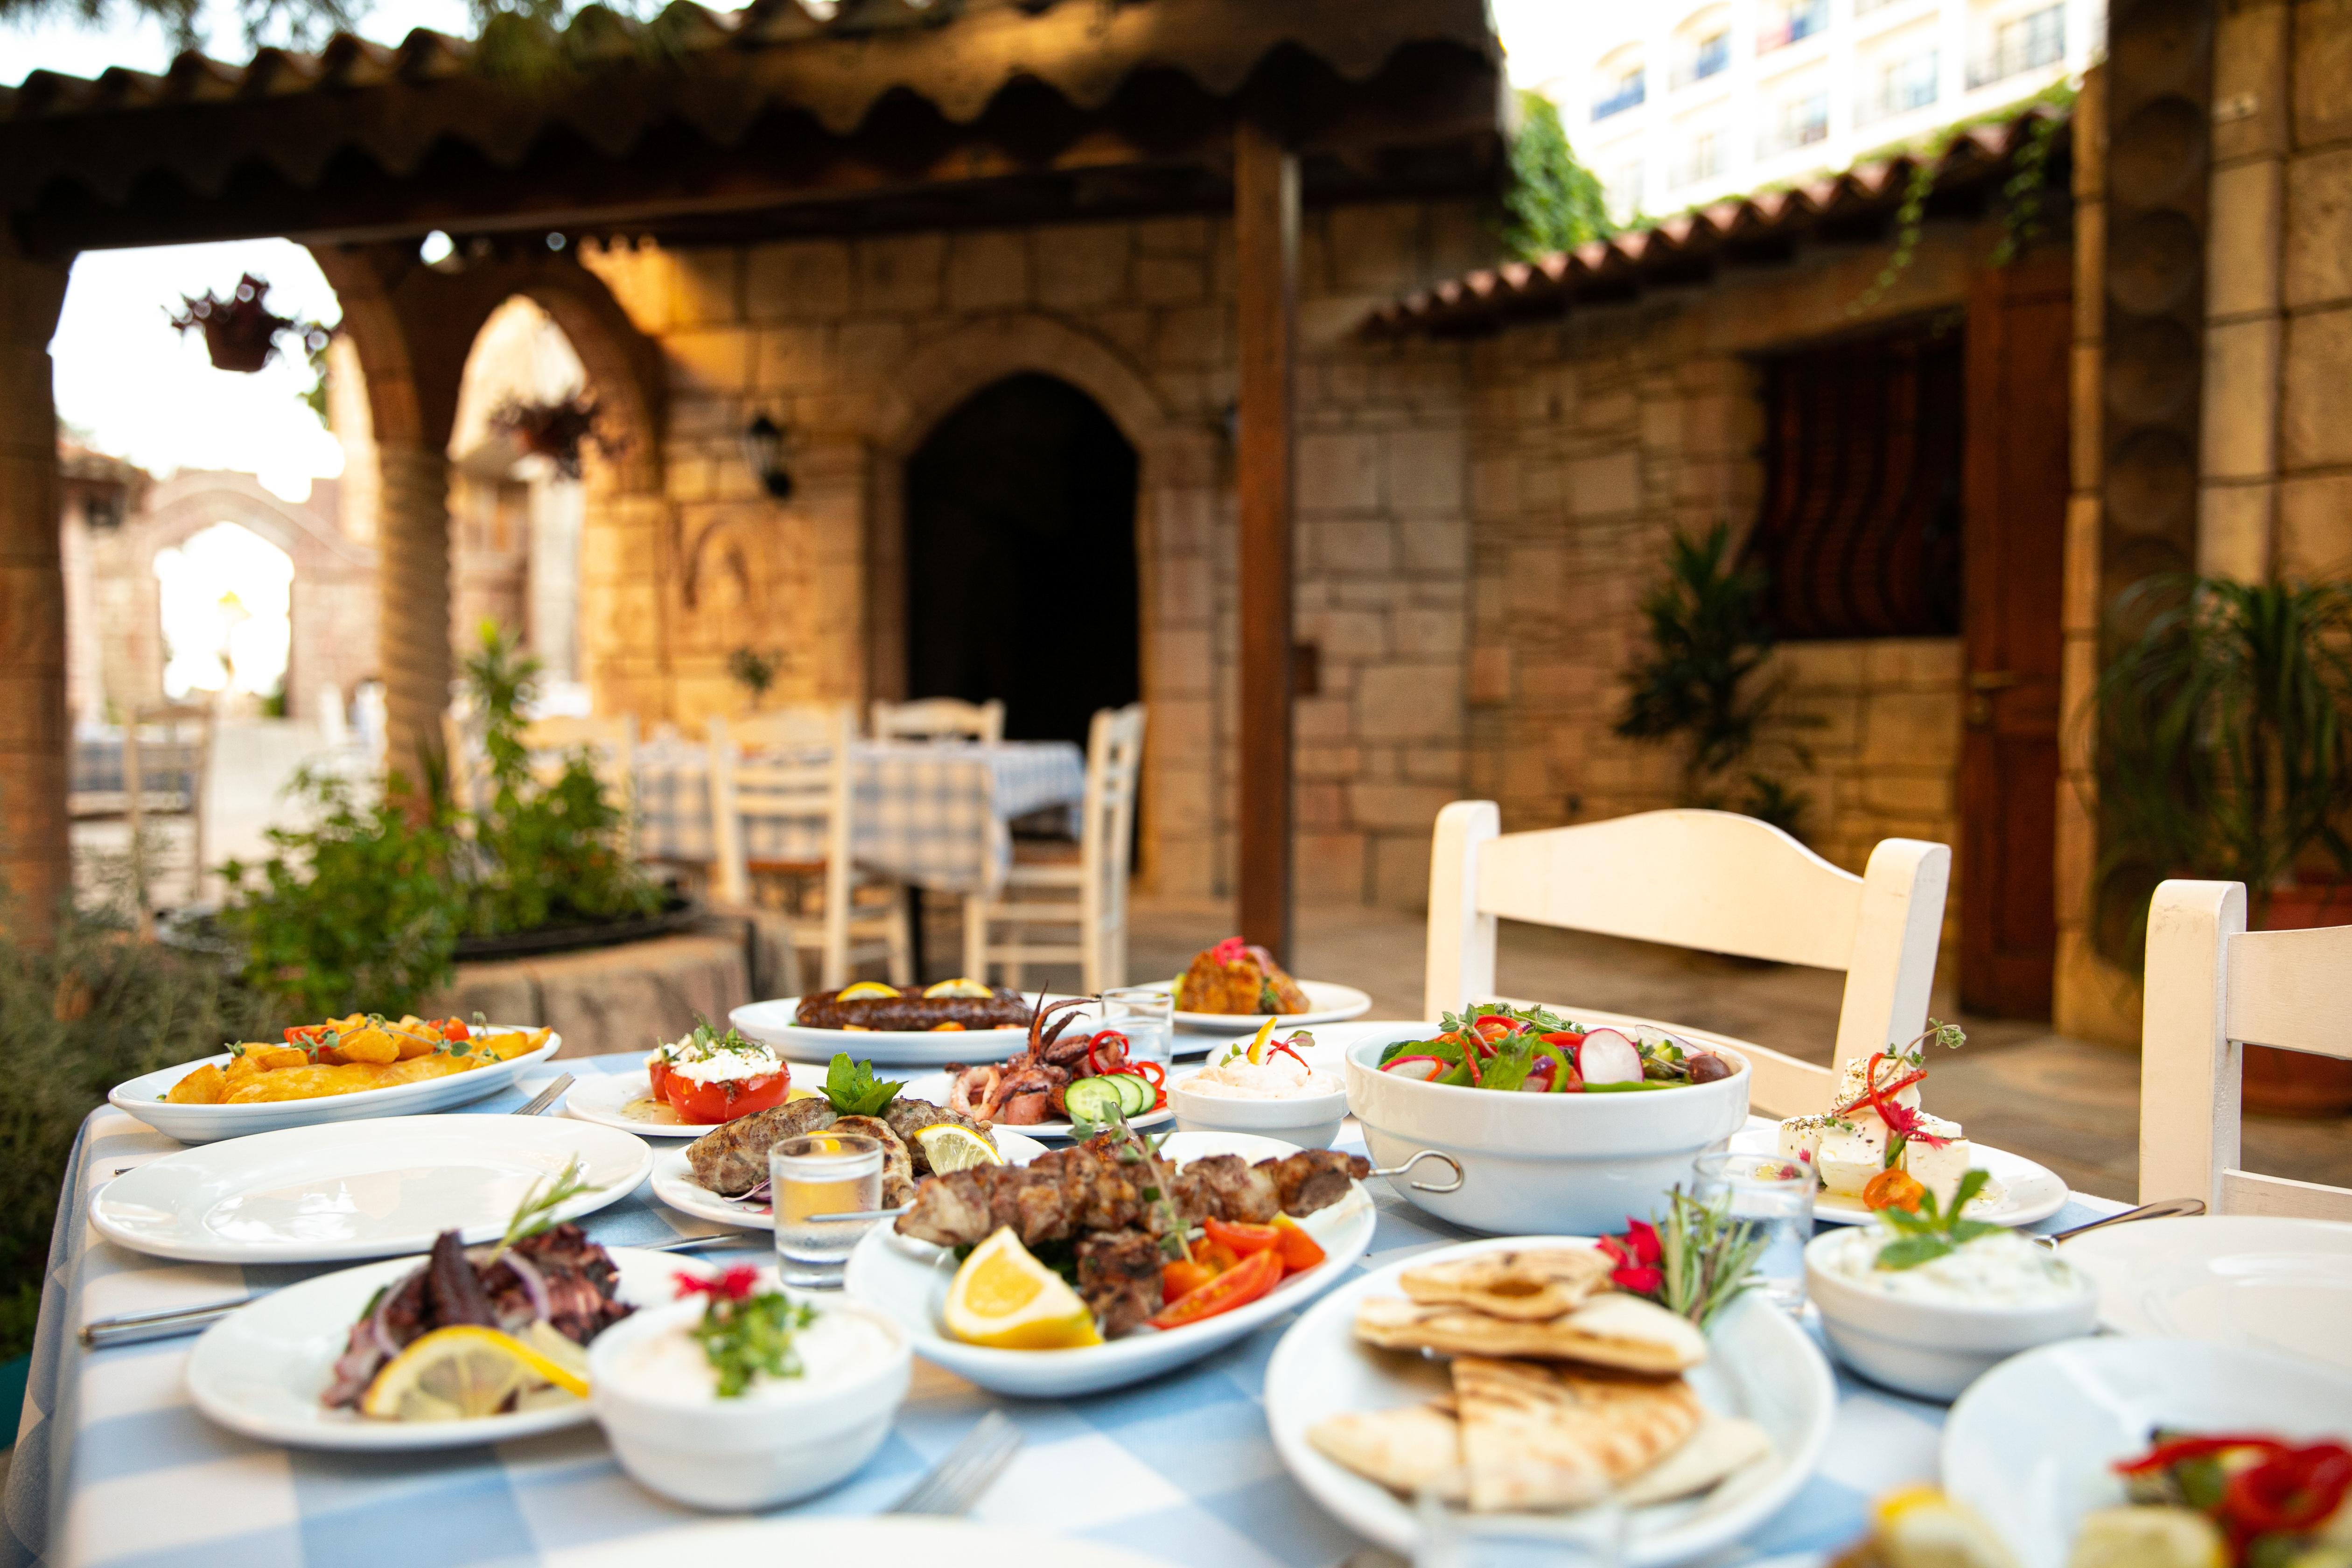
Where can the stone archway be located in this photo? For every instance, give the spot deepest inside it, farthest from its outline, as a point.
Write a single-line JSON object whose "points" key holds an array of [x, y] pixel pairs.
{"points": [[413, 326], [1176, 506]]}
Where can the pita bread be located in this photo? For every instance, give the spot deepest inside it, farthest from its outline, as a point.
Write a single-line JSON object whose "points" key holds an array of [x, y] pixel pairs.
{"points": [[1611, 1329], [1722, 1445], [1406, 1450], [1536, 1438], [1526, 1286]]}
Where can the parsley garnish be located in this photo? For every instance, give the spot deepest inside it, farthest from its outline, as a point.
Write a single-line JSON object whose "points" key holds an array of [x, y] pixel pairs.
{"points": [[743, 1333]]}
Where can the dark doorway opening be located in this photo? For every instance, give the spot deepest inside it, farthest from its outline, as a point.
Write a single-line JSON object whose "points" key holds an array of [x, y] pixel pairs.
{"points": [[1021, 573]]}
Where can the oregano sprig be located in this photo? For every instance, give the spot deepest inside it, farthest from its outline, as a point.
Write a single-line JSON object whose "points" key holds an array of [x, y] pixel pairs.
{"points": [[1929, 1234]]}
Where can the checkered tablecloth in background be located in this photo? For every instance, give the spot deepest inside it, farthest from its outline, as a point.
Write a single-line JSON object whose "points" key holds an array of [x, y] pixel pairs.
{"points": [[935, 813], [114, 1467], [98, 766]]}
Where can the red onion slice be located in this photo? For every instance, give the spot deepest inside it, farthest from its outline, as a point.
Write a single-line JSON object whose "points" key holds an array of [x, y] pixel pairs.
{"points": [[1607, 1057], [534, 1284]]}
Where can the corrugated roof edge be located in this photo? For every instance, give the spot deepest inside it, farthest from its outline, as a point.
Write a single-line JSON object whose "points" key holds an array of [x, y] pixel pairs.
{"points": [[1485, 298]]}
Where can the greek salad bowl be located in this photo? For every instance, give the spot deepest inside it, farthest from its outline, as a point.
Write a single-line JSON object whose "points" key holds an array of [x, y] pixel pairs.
{"points": [[1575, 1160]]}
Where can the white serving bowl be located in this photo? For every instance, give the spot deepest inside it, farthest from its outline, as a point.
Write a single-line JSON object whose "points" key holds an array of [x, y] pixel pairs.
{"points": [[1310, 1121], [1543, 1164], [1929, 1348], [750, 1453]]}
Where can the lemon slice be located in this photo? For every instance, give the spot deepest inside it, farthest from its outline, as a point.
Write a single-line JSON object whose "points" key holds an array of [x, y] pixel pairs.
{"points": [[868, 991], [1918, 1527], [960, 987], [462, 1373], [949, 1147], [1257, 1051], [1007, 1300]]}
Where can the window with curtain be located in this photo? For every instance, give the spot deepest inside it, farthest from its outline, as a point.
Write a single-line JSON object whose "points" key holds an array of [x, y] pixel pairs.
{"points": [[1860, 530]]}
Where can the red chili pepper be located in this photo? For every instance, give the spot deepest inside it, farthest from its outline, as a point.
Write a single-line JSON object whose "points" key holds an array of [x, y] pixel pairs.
{"points": [[1470, 1061], [1286, 1048], [2290, 1490], [1094, 1068], [2164, 1456]]}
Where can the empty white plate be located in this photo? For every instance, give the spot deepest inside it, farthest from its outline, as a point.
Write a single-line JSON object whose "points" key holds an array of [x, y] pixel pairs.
{"points": [[674, 1183], [2031, 1444], [359, 1189], [2021, 1192], [2256, 1283], [261, 1370]]}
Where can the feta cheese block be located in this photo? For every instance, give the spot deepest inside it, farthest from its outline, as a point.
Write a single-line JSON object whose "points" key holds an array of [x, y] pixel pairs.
{"points": [[1852, 1151], [1800, 1139], [1938, 1170], [1855, 1083]]}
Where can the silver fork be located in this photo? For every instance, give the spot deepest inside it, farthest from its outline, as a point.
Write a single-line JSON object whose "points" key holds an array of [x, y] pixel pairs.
{"points": [[969, 1468], [544, 1098]]}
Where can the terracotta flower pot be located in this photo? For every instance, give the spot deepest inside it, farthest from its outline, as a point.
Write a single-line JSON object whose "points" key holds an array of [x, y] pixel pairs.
{"points": [[2295, 1083]]}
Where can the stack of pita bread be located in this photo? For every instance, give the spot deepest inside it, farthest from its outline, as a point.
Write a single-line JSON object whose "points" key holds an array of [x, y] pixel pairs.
{"points": [[1565, 1391]]}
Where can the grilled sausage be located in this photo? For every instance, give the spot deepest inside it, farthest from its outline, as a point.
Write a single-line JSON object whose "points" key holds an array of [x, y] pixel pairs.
{"points": [[1004, 1010]]}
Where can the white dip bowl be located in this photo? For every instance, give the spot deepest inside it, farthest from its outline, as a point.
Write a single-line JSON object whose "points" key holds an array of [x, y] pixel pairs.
{"points": [[783, 1439], [1928, 1345], [1543, 1164], [1310, 1121]]}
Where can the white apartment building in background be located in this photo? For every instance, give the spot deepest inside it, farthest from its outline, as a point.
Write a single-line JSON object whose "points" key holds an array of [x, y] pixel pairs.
{"points": [[1673, 103]]}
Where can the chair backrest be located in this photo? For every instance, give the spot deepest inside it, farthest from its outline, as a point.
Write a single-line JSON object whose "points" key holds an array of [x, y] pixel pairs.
{"points": [[2213, 987], [1106, 835], [940, 719], [797, 726], [807, 781], [1712, 880]]}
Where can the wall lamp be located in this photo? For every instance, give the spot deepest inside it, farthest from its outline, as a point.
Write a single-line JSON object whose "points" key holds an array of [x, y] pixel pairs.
{"points": [[763, 454]]}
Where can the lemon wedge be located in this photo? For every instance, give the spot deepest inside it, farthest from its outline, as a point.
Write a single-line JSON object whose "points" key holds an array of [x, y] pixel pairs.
{"points": [[461, 1373], [868, 991], [1257, 1051], [1918, 1527], [1005, 1300], [949, 1147], [972, 990]]}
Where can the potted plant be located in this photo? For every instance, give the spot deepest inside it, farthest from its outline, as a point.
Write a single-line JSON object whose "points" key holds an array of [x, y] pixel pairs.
{"points": [[2224, 750], [241, 330]]}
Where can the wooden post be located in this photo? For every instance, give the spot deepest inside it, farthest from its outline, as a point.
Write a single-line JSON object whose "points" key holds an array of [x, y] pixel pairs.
{"points": [[412, 633], [1266, 236], [35, 867]]}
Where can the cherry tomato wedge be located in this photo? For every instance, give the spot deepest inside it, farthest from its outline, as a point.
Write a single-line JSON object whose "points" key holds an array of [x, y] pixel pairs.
{"points": [[1215, 1255], [1300, 1252], [1181, 1278], [1243, 1238], [1492, 1026], [1893, 1189], [1244, 1282], [455, 1029], [706, 1104], [658, 1075]]}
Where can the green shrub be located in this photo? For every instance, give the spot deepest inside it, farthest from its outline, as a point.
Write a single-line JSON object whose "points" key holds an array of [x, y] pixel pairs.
{"points": [[1553, 202]]}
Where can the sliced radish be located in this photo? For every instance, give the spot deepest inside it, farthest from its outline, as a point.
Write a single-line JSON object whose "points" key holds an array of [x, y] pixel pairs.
{"points": [[1421, 1068], [1607, 1057]]}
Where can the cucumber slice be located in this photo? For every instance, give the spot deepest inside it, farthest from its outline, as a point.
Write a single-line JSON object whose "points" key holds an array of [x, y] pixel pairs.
{"points": [[1094, 1100], [1133, 1092]]}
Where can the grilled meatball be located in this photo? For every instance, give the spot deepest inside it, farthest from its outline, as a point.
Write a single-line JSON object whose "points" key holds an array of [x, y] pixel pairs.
{"points": [[733, 1158], [1118, 1277]]}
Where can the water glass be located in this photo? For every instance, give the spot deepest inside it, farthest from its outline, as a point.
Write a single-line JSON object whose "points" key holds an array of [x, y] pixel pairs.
{"points": [[1146, 1015], [1775, 1195], [1451, 1538], [821, 1174]]}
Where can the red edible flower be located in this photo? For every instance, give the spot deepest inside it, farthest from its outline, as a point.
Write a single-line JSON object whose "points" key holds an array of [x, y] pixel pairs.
{"points": [[1642, 1237], [1637, 1255], [1638, 1281], [1229, 951], [736, 1284]]}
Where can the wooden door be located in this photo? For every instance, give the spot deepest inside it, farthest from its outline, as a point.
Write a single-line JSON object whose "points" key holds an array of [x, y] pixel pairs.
{"points": [[2014, 484]]}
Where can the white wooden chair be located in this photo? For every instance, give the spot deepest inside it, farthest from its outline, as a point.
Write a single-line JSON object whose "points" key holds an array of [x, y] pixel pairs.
{"points": [[1707, 879], [940, 719], [1079, 905], [167, 764], [805, 777], [2212, 988]]}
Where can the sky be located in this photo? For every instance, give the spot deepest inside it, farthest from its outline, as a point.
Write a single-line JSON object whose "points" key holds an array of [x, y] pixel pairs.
{"points": [[129, 385]]}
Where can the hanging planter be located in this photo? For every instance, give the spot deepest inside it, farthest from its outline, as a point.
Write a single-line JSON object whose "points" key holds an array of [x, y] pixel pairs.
{"points": [[556, 431], [240, 331]]}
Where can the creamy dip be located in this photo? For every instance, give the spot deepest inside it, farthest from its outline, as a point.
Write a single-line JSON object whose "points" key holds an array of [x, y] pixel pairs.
{"points": [[1279, 1077], [839, 1348], [2003, 1269]]}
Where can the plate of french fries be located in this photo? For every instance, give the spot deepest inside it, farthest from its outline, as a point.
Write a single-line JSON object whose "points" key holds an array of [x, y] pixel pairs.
{"points": [[343, 1070]]}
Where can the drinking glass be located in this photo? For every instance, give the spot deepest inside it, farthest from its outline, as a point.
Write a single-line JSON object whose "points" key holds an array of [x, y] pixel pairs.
{"points": [[821, 1174], [1775, 1195], [1146, 1015], [1451, 1538]]}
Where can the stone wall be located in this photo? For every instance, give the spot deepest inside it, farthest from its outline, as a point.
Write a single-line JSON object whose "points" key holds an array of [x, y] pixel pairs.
{"points": [[857, 348], [1598, 437]]}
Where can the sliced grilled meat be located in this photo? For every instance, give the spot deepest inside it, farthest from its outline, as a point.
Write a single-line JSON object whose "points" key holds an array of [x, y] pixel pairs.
{"points": [[1118, 1277], [453, 1290], [733, 1158], [897, 1164], [1315, 1178]]}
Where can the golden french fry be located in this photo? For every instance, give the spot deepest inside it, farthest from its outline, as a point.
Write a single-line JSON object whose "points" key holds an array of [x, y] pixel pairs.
{"points": [[203, 1087], [370, 1046], [309, 1083], [244, 1064], [275, 1058], [509, 1046], [419, 1068]]}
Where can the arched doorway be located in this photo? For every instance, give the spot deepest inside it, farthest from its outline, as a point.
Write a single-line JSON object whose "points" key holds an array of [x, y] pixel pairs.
{"points": [[1021, 558]]}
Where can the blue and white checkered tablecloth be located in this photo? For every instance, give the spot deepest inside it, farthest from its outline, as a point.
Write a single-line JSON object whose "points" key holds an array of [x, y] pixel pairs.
{"points": [[934, 813], [169, 765], [114, 1467]]}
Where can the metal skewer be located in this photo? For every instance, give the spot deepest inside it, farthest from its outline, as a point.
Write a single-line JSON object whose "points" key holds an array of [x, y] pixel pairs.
{"points": [[1448, 1161]]}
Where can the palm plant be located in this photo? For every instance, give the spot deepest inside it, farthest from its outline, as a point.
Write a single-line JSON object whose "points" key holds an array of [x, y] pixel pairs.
{"points": [[2222, 741]]}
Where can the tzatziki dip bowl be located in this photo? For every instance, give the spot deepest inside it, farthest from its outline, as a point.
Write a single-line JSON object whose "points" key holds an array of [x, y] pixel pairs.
{"points": [[1931, 1326], [1262, 1086]]}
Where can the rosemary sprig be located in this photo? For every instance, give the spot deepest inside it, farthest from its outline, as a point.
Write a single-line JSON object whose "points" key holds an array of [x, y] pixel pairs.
{"points": [[536, 1213], [1707, 1259], [1133, 1148]]}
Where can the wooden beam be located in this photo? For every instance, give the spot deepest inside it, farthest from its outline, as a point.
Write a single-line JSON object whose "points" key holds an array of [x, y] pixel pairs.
{"points": [[1266, 236]]}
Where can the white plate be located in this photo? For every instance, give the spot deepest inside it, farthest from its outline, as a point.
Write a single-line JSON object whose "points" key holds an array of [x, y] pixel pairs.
{"points": [[260, 1371], [1761, 1365], [2021, 1192], [770, 1024], [2281, 1285], [1327, 1003], [881, 1538], [143, 1097], [623, 1100], [364, 1189], [909, 1280], [2029, 1445], [933, 1087], [674, 1183]]}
